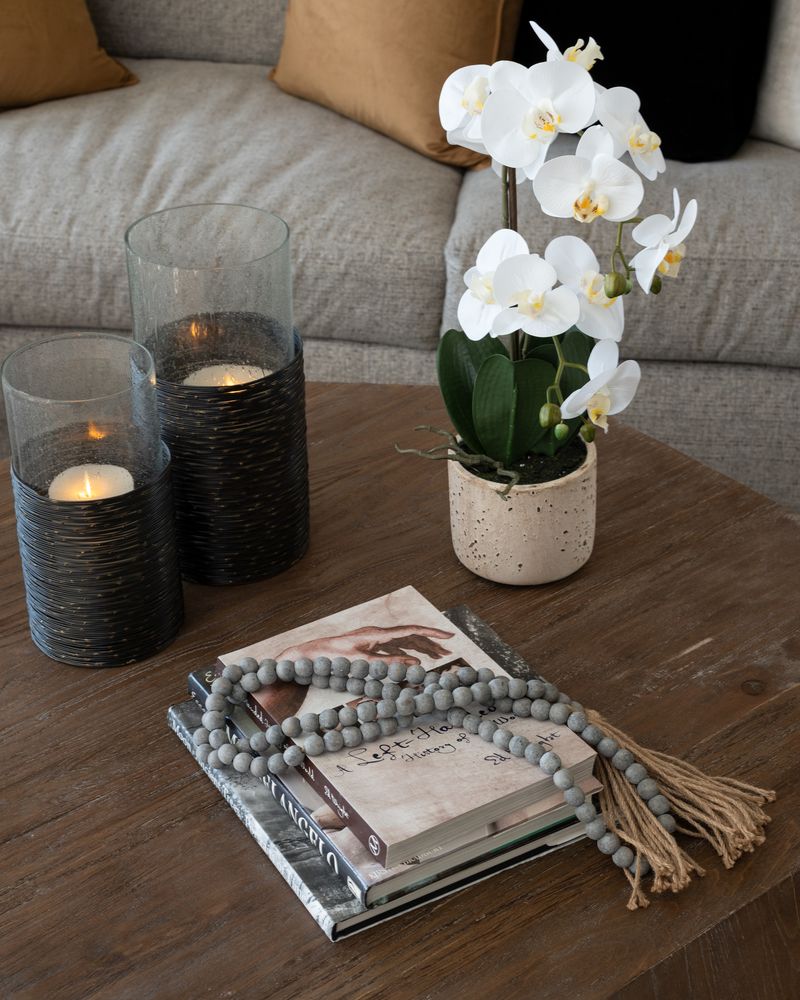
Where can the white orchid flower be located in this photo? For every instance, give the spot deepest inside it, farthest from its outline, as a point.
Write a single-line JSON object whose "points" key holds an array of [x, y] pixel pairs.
{"points": [[523, 286], [590, 184], [618, 110], [610, 388], [662, 239], [461, 104], [525, 113], [576, 53], [577, 268], [478, 308]]}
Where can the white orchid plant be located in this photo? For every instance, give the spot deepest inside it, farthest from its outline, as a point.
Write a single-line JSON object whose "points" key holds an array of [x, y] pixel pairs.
{"points": [[536, 360]]}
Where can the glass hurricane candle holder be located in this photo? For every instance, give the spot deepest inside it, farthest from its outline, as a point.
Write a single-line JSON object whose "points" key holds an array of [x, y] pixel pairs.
{"points": [[211, 298], [91, 481]]}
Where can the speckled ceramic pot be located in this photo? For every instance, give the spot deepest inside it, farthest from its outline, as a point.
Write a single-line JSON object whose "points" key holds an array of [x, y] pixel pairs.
{"points": [[540, 534]]}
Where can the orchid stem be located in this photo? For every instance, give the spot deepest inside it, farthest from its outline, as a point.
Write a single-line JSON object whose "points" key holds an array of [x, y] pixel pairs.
{"points": [[504, 185]]}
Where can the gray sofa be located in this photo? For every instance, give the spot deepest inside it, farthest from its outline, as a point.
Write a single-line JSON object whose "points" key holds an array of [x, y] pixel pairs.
{"points": [[381, 236]]}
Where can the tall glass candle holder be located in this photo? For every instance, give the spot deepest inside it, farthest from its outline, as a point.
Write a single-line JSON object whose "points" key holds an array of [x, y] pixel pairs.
{"points": [[211, 297], [91, 481]]}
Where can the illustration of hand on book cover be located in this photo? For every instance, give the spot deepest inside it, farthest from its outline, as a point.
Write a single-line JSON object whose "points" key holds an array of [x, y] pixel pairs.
{"points": [[421, 791]]}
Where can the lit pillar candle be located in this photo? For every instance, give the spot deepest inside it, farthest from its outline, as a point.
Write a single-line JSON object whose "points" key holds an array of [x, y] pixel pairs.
{"points": [[90, 482], [223, 375]]}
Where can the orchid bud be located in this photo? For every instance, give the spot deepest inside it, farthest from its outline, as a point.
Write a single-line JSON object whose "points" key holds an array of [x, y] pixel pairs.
{"points": [[549, 415], [655, 284], [561, 431], [628, 286], [587, 433], [614, 284]]}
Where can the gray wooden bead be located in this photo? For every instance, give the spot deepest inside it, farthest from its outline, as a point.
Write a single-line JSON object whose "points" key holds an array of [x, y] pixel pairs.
{"points": [[668, 821], [333, 740], [373, 688], [595, 828], [221, 685], [405, 721], [266, 674], [439, 713], [202, 753], [564, 698], [609, 843], [449, 682], [258, 742], [250, 683], [320, 682], [432, 677], [388, 727], [294, 756], [642, 864], [340, 666], [291, 726], [216, 738], [423, 704], [397, 672], [540, 710], [285, 670], [592, 735], [415, 674], [355, 686], [563, 779], [481, 693], [226, 753], [534, 753], [378, 669], [551, 692], [467, 675], [521, 707], [559, 713], [485, 675], [502, 737], [550, 762], [499, 687], [242, 762], [213, 720], [370, 731], [314, 745], [586, 812], [574, 796], [577, 722], [359, 669], [636, 773], [647, 789], [367, 711], [216, 703], [472, 723], [322, 666], [276, 764], [504, 705], [535, 688], [213, 759], [348, 716], [622, 759], [386, 709], [658, 805], [622, 857], [607, 747], [275, 736], [248, 664], [237, 695], [268, 665], [328, 718], [518, 745], [456, 717], [304, 667], [517, 688], [432, 688], [200, 736], [443, 700], [352, 736], [309, 722], [391, 690], [462, 697], [337, 683], [405, 703], [233, 672], [304, 681], [259, 767], [487, 729]]}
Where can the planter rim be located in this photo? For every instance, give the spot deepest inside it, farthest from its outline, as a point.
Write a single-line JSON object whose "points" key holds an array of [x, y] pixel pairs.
{"points": [[585, 466]]}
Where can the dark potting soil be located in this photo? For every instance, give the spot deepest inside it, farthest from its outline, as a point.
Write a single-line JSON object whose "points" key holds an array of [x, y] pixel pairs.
{"points": [[541, 468]]}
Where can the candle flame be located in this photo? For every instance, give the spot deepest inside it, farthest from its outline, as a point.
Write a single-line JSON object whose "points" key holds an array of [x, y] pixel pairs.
{"points": [[228, 379], [197, 330], [95, 433], [86, 492]]}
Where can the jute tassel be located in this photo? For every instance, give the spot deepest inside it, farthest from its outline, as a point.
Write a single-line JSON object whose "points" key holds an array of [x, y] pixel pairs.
{"points": [[727, 813]]}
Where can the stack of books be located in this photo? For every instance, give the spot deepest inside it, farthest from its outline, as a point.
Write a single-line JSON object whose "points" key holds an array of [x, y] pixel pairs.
{"points": [[370, 832]]}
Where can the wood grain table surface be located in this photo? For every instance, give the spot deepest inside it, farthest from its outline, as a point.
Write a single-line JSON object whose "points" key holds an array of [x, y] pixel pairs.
{"points": [[125, 875]]}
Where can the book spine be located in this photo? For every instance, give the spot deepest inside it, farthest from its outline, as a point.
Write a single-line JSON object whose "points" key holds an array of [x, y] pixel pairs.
{"points": [[354, 820], [199, 689]]}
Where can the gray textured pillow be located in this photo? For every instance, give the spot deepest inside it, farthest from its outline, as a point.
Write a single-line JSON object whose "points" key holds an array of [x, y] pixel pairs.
{"points": [[778, 114]]}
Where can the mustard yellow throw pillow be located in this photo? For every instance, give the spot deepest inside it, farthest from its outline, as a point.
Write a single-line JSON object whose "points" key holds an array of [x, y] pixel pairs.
{"points": [[383, 64], [48, 49]]}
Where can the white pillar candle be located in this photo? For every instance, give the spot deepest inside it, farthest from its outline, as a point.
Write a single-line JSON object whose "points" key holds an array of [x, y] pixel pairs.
{"points": [[90, 482], [223, 375]]}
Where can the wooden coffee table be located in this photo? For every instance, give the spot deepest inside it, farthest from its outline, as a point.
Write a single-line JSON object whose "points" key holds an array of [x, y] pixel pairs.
{"points": [[125, 875]]}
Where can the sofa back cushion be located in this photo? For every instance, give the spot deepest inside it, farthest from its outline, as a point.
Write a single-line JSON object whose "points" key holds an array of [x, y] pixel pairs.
{"points": [[778, 116], [237, 31]]}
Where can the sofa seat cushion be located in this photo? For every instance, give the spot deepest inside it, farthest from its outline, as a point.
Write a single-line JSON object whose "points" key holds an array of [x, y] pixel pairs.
{"points": [[737, 297], [369, 218]]}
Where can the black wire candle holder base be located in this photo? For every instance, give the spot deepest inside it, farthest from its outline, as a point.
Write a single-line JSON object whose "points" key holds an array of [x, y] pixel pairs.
{"points": [[102, 578], [240, 474]]}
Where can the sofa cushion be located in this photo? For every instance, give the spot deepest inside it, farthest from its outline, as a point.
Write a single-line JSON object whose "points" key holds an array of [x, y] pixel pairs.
{"points": [[237, 31], [778, 117], [369, 218], [737, 297]]}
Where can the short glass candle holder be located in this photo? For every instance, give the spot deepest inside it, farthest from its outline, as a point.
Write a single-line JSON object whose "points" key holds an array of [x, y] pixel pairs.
{"points": [[92, 493], [211, 297]]}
